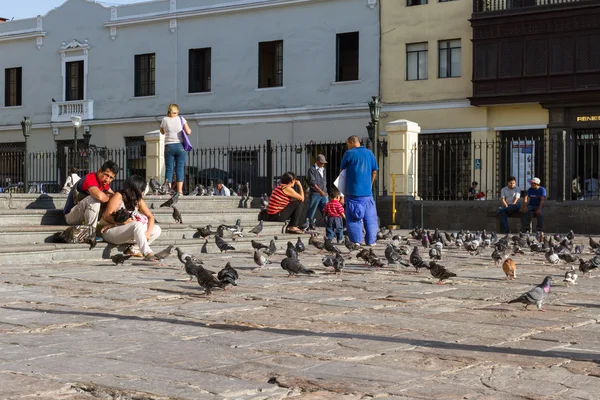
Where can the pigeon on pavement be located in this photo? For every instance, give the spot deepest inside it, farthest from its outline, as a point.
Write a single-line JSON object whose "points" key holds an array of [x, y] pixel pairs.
{"points": [[120, 258], [228, 275], [570, 276], [536, 296], [257, 229], [294, 267]]}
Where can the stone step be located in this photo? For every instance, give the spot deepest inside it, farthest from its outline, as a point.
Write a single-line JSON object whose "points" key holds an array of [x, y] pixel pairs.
{"points": [[17, 201], [14, 235], [58, 252], [198, 217]]}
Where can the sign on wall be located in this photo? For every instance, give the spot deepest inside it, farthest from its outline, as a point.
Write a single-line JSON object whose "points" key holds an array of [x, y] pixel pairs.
{"points": [[523, 162]]}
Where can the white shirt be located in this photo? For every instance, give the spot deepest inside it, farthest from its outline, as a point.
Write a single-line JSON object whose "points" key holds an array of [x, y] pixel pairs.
{"points": [[321, 170], [223, 192], [510, 195], [172, 127]]}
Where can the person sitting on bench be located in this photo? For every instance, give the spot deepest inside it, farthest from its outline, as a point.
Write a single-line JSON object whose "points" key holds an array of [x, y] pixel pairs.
{"points": [[509, 196], [533, 203]]}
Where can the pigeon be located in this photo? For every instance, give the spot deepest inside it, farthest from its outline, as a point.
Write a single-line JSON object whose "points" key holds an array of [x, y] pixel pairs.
{"points": [[440, 272], [264, 201], [228, 275], [497, 256], [375, 262], [183, 256], [257, 245], [536, 296], [328, 260], [364, 254], [294, 267], [589, 265], [416, 260], [257, 229], [192, 267], [570, 276], [204, 249], [338, 264], [120, 258], [163, 254], [205, 232], [566, 255], [435, 254], [593, 244], [392, 256], [313, 240], [222, 245], [177, 215], [195, 191], [290, 252], [510, 269], [272, 248], [349, 245], [517, 250], [330, 247], [300, 248], [579, 249], [208, 281], [172, 201], [571, 235], [551, 256], [154, 186], [259, 259]]}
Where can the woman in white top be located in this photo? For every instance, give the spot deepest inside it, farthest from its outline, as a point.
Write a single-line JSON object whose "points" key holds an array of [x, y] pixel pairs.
{"points": [[174, 127], [72, 180]]}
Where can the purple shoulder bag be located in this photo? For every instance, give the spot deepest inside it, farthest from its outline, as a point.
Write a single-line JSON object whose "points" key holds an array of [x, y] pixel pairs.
{"points": [[187, 146]]}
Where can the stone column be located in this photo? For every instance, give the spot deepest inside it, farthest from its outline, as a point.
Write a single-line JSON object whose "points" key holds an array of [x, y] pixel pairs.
{"points": [[155, 157], [403, 138]]}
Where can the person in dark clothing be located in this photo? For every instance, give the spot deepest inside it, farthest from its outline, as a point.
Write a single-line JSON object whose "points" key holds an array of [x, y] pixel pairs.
{"points": [[317, 188]]}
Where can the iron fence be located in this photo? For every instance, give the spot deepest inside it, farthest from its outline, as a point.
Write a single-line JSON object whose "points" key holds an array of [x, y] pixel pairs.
{"points": [[256, 166], [499, 5], [449, 164]]}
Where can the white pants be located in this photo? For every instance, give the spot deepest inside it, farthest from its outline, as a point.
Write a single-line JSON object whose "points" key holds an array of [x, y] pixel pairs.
{"points": [[133, 232], [85, 212]]}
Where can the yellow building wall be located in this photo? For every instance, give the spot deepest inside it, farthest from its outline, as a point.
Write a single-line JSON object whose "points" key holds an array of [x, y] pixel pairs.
{"points": [[429, 23]]}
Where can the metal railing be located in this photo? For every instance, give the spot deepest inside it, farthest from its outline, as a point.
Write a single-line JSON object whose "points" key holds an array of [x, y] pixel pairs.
{"points": [[500, 5]]}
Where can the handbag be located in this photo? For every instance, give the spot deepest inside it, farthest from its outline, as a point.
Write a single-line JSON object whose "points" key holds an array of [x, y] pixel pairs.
{"points": [[187, 146]]}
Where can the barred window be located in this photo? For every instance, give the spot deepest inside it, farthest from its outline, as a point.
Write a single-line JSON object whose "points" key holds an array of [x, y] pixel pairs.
{"points": [[270, 64], [144, 75], [13, 87], [199, 70]]}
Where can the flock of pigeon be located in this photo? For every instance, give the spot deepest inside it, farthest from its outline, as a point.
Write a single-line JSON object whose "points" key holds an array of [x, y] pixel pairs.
{"points": [[555, 248]]}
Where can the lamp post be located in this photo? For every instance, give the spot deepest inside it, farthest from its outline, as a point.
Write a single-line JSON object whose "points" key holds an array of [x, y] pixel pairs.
{"points": [[76, 124], [87, 136], [375, 110], [26, 126]]}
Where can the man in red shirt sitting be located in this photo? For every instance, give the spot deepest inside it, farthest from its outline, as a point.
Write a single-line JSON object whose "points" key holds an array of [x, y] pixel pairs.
{"points": [[334, 216], [87, 196]]}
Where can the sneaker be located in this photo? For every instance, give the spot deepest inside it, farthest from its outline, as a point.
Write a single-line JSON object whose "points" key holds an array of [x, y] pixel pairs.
{"points": [[99, 239]]}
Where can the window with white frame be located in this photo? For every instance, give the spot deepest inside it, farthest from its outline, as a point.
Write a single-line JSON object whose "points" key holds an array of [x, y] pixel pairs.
{"points": [[416, 61], [74, 70], [449, 58]]}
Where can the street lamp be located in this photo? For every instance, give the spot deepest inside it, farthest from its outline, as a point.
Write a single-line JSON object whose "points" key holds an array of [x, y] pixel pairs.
{"points": [[375, 110], [26, 126], [76, 124]]}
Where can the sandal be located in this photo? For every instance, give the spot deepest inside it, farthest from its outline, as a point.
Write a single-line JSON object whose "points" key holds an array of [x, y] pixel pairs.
{"points": [[131, 253], [294, 230]]}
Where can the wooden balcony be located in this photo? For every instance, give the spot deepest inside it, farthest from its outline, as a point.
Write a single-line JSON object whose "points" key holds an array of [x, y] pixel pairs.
{"points": [[547, 51]]}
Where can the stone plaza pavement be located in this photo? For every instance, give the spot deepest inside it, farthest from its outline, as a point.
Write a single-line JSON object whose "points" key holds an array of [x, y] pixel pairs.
{"points": [[140, 331]]}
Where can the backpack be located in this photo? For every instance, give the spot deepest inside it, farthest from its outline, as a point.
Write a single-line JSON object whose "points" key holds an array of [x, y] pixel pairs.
{"points": [[77, 234]]}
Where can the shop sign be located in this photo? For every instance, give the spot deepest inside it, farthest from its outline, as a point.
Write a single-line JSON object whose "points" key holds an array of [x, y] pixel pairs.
{"points": [[588, 118]]}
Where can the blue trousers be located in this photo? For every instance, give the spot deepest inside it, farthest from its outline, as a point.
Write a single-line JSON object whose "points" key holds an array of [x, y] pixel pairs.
{"points": [[527, 217], [315, 201], [334, 227], [503, 213], [359, 211], [175, 157]]}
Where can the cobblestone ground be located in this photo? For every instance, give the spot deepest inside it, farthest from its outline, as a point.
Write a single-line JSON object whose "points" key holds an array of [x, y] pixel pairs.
{"points": [[140, 331]]}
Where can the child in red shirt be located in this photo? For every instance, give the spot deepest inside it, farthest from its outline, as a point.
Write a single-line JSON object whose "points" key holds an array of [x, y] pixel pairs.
{"points": [[334, 216]]}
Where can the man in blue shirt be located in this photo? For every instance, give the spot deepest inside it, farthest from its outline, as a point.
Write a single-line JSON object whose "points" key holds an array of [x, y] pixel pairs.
{"points": [[534, 203], [361, 169]]}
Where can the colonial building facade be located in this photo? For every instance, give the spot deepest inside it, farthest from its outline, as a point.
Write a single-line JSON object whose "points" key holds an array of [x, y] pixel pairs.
{"points": [[241, 72], [509, 78]]}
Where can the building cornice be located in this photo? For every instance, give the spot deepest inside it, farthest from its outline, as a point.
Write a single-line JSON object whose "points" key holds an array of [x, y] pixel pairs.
{"points": [[24, 34], [233, 7], [277, 115], [434, 105]]}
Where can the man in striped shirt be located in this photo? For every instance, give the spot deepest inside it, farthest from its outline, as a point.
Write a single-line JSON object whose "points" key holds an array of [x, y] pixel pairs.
{"points": [[334, 216]]}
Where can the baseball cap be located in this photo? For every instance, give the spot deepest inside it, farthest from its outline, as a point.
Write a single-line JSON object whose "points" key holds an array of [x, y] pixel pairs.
{"points": [[321, 158], [537, 181]]}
